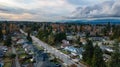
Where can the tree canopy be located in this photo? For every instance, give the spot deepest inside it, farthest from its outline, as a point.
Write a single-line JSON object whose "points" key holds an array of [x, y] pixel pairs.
{"points": [[8, 42], [88, 53], [115, 59], [97, 60], [29, 37], [60, 36]]}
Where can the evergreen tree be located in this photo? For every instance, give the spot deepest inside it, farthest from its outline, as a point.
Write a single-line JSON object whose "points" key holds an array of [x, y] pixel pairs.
{"points": [[8, 42], [87, 34], [115, 59], [88, 53], [40, 34], [51, 39], [60, 36], [1, 34], [28, 37], [108, 26], [97, 60]]}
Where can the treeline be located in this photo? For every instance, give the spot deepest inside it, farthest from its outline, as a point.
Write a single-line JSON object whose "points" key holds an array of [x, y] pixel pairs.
{"points": [[5, 35], [51, 38], [116, 33], [93, 56]]}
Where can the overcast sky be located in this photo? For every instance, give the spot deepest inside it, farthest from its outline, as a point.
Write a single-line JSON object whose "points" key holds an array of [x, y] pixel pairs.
{"points": [[52, 10]]}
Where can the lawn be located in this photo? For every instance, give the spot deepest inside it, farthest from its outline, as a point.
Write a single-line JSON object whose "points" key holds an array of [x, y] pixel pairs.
{"points": [[39, 47], [23, 55], [7, 60], [19, 49], [8, 53], [8, 64], [65, 52]]}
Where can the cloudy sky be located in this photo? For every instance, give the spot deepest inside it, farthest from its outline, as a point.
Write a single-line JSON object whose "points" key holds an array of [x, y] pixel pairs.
{"points": [[53, 10]]}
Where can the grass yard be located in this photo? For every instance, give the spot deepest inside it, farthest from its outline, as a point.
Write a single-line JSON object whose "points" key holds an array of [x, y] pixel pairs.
{"points": [[23, 55], [7, 62], [65, 52], [39, 47]]}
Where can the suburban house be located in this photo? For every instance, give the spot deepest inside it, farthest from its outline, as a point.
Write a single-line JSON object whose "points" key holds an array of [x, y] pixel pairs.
{"points": [[106, 48], [20, 41], [28, 48], [80, 34], [75, 51], [65, 43], [71, 37]]}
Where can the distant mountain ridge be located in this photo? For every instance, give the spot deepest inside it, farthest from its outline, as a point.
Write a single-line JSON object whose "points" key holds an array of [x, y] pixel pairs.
{"points": [[96, 21]]}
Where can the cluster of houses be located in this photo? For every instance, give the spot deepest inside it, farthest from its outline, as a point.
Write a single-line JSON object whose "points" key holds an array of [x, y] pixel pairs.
{"points": [[38, 55], [74, 51], [27, 46], [23, 46], [3, 50], [103, 42]]}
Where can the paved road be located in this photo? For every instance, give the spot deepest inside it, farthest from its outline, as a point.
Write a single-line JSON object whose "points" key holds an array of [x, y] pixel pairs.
{"points": [[65, 58], [16, 58]]}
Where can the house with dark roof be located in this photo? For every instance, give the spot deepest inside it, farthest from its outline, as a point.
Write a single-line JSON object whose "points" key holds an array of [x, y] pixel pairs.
{"points": [[1, 53]]}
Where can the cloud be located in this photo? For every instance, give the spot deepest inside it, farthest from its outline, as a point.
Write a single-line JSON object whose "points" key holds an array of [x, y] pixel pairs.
{"points": [[4, 16], [51, 10], [38, 9], [85, 2], [105, 9]]}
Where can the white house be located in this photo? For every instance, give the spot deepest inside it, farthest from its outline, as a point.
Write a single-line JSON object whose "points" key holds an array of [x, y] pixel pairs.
{"points": [[75, 51]]}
